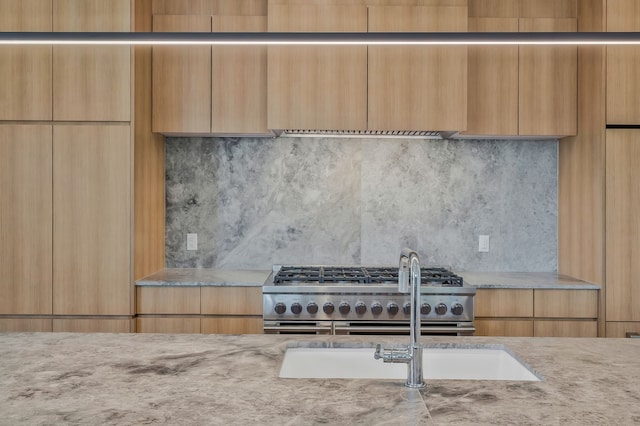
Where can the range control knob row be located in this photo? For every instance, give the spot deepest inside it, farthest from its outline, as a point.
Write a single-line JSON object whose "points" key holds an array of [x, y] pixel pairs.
{"points": [[280, 308], [312, 308], [361, 308], [344, 308], [441, 309], [376, 308], [328, 308], [296, 308], [425, 309], [392, 308]]}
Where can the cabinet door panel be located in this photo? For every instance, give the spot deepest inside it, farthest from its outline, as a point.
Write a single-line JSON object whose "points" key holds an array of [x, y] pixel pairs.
{"points": [[167, 300], [91, 83], [504, 303], [92, 220], [321, 87], [504, 327], [25, 219], [548, 97], [25, 71], [565, 303], [181, 78], [92, 325], [182, 325], [417, 88], [232, 325], [549, 328], [231, 300]]}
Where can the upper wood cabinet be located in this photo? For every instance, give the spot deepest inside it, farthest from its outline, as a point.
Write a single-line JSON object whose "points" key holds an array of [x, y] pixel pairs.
{"points": [[25, 71], [317, 87], [92, 219], [418, 88], [181, 78], [25, 219], [91, 83], [623, 63], [622, 225]]}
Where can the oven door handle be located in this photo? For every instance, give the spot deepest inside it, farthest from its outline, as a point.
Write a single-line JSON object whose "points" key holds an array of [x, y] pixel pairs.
{"points": [[383, 329]]}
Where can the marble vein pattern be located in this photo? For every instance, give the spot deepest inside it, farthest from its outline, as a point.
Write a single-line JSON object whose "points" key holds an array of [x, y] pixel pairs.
{"points": [[255, 202]]}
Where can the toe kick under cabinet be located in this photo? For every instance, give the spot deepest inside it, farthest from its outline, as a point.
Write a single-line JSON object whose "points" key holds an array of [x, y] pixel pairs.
{"points": [[207, 310], [536, 312]]}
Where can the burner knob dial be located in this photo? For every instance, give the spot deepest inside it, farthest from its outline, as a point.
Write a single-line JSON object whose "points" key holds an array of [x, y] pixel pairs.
{"points": [[296, 308], [457, 309], [425, 309], [312, 308], [406, 308], [328, 308], [280, 308], [441, 309], [376, 308], [344, 308], [361, 308], [392, 308]]}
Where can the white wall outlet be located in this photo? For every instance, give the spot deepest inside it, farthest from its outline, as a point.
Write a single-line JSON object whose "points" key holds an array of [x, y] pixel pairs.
{"points": [[483, 243], [192, 241]]}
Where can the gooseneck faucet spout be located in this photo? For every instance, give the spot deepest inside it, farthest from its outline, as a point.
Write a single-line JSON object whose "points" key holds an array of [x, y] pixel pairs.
{"points": [[408, 282]]}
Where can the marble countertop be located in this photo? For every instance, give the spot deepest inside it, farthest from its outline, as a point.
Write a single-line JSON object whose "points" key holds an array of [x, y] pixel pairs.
{"points": [[189, 277], [122, 379], [540, 280]]}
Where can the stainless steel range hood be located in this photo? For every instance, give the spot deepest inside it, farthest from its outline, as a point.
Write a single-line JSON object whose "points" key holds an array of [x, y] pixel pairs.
{"points": [[418, 134]]}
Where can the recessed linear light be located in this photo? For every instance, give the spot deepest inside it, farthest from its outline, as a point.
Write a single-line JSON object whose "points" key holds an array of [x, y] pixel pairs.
{"points": [[306, 39]]}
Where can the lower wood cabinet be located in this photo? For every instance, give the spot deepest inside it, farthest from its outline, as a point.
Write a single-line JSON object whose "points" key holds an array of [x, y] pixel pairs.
{"points": [[92, 325], [536, 312], [622, 329], [26, 325], [207, 310]]}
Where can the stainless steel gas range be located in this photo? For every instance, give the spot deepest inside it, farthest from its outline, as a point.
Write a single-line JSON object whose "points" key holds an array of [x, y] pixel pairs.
{"points": [[363, 300]]}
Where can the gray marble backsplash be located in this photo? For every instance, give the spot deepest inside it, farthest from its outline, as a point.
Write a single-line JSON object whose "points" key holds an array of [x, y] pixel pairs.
{"points": [[257, 201]]}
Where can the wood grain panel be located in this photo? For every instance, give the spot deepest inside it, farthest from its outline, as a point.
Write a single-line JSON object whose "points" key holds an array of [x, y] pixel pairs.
{"points": [[548, 8], [242, 8], [239, 79], [493, 82], [231, 300], [25, 15], [565, 303], [504, 327], [550, 328], [503, 303], [494, 9], [232, 325], [168, 300], [25, 219], [317, 87], [181, 78], [548, 82], [182, 325], [91, 83], [623, 15], [417, 88], [185, 7], [623, 225], [92, 325], [25, 325], [623, 85], [620, 329], [92, 219]]}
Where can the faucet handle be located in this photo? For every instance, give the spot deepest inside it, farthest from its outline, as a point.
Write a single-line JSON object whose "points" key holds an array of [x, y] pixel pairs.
{"points": [[403, 275], [392, 354]]}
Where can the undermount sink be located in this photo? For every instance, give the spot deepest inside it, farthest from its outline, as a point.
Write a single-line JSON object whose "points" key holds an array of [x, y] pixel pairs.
{"points": [[450, 363]]}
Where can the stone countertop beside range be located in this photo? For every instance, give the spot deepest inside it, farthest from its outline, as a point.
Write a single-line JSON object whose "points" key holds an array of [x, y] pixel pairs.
{"points": [[65, 378], [525, 280], [201, 277]]}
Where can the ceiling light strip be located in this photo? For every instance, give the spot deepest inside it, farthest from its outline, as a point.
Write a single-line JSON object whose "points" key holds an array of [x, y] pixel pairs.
{"points": [[244, 38]]}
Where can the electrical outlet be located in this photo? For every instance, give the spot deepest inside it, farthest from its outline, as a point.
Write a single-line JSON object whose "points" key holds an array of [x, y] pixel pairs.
{"points": [[192, 241], [483, 243]]}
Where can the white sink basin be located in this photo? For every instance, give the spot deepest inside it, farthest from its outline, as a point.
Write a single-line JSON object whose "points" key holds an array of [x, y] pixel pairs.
{"points": [[438, 363]]}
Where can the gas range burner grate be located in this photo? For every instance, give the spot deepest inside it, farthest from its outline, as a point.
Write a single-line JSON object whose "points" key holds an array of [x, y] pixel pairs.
{"points": [[326, 275]]}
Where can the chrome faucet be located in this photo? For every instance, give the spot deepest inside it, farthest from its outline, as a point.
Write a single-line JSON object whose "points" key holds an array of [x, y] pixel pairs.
{"points": [[408, 282]]}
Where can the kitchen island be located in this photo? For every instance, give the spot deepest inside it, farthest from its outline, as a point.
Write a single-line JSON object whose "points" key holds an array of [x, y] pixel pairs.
{"points": [[58, 378]]}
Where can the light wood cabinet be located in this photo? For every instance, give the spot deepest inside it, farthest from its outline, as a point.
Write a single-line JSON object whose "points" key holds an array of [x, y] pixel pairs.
{"points": [[168, 300], [417, 88], [174, 324], [622, 225], [91, 219], [566, 328], [503, 303], [25, 219], [25, 71], [317, 87], [232, 300], [623, 62], [565, 304], [504, 327], [622, 329], [28, 325], [232, 325], [92, 325], [91, 83], [181, 80]]}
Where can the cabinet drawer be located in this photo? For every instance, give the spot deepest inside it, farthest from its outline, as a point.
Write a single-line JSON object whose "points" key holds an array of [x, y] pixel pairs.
{"points": [[92, 325], [168, 300], [30, 325], [504, 303], [232, 325], [168, 325], [504, 327], [565, 303], [232, 300], [560, 328]]}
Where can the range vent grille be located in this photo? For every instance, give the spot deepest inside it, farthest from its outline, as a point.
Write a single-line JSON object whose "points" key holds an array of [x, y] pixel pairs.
{"points": [[423, 134]]}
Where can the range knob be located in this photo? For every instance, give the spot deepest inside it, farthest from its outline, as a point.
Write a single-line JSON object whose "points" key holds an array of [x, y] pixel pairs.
{"points": [[280, 308], [392, 308], [361, 308], [312, 308], [344, 308], [328, 308], [406, 308], [441, 309], [296, 308], [376, 308], [425, 308], [457, 309]]}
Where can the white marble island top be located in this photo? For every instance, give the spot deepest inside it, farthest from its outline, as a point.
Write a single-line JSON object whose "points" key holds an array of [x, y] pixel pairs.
{"points": [[63, 378]]}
